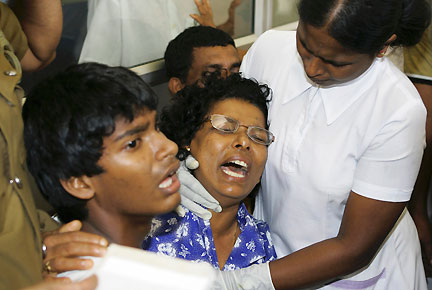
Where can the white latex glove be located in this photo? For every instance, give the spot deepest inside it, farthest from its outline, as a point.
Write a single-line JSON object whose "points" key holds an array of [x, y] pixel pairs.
{"points": [[255, 277], [193, 195]]}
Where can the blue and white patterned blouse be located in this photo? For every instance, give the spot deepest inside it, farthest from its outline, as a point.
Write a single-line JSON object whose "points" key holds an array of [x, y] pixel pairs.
{"points": [[191, 238]]}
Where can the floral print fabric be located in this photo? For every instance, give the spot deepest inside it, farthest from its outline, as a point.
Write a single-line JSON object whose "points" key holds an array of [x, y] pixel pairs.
{"points": [[191, 238]]}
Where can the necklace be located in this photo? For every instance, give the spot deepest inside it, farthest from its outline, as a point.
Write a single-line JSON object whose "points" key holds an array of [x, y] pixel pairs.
{"points": [[235, 233]]}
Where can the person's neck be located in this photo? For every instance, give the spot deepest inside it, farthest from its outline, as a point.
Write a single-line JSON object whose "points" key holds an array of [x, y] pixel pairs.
{"points": [[225, 231], [224, 221], [126, 231]]}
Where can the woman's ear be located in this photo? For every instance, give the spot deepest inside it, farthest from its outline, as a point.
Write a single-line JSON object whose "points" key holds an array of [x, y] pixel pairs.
{"points": [[389, 41], [79, 187], [175, 85]]}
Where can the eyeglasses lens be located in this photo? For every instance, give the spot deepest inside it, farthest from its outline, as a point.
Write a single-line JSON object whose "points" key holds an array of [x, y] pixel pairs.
{"points": [[228, 125], [259, 135], [224, 124]]}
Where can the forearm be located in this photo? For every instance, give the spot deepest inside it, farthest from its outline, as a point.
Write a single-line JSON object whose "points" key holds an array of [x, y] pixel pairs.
{"points": [[418, 201], [41, 21], [365, 225], [317, 264]]}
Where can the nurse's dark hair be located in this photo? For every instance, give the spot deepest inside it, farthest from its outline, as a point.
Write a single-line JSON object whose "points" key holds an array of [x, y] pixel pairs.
{"points": [[189, 108], [179, 52], [365, 26], [66, 118]]}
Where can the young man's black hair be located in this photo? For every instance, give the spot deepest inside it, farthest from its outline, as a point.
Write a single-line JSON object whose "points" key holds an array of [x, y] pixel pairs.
{"points": [[66, 119]]}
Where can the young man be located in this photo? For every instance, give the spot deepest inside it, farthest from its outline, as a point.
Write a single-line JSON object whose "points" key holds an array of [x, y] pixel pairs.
{"points": [[197, 51], [193, 53], [96, 152]]}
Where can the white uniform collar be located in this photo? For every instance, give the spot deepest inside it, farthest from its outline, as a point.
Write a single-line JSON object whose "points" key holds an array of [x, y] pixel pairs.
{"points": [[337, 99], [301, 81]]}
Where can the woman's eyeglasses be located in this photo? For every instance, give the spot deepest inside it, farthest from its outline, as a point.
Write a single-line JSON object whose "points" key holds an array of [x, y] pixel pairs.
{"points": [[227, 125]]}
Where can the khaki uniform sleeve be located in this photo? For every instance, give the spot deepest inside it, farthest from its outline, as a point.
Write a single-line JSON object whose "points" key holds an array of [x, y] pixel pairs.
{"points": [[47, 224], [12, 30]]}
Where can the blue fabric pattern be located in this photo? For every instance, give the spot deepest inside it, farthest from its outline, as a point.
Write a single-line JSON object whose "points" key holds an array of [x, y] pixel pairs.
{"points": [[191, 238]]}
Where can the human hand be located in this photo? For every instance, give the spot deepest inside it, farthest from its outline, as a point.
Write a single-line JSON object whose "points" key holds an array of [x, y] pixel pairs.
{"points": [[234, 4], [424, 229], [193, 194], [205, 17], [67, 244], [65, 284], [254, 277]]}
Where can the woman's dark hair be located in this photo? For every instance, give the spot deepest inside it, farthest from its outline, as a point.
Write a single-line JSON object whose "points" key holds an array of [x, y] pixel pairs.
{"points": [[364, 26], [187, 112], [67, 117]]}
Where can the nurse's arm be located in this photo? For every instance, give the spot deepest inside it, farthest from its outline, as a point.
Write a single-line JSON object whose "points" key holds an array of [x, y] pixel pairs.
{"points": [[365, 224]]}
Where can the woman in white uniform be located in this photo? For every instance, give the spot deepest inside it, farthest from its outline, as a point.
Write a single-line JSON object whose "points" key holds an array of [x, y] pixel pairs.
{"points": [[349, 130]]}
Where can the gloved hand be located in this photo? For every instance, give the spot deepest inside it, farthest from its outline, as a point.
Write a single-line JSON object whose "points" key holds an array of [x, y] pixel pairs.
{"points": [[193, 195], [255, 277]]}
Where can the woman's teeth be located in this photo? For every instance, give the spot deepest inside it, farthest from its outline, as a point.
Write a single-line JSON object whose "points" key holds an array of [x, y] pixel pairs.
{"points": [[241, 163], [233, 174], [166, 183], [235, 168]]}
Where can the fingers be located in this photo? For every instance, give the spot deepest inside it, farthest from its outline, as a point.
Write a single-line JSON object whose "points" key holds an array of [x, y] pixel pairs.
{"points": [[199, 198], [180, 211], [87, 284], [197, 209], [197, 18], [235, 3], [71, 227], [65, 284], [56, 239], [66, 256], [202, 5], [65, 246], [193, 194], [193, 190], [63, 264], [206, 14]]}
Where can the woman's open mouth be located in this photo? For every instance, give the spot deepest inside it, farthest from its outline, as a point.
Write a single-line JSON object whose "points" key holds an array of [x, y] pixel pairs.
{"points": [[235, 168]]}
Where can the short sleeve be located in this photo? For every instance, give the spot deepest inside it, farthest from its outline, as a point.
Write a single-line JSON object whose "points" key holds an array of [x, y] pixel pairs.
{"points": [[259, 59], [388, 169], [245, 64], [12, 30], [104, 39]]}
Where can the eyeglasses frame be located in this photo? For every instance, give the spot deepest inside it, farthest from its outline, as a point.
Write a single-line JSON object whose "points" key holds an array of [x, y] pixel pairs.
{"points": [[238, 125]]}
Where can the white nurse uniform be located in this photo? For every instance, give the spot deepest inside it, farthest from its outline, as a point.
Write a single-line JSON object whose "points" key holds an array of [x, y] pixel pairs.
{"points": [[366, 135]]}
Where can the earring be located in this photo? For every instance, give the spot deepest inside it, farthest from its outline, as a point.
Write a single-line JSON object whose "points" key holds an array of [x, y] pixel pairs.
{"points": [[191, 162]]}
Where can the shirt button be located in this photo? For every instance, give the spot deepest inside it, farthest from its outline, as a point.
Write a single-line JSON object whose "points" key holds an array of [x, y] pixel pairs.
{"points": [[17, 181], [10, 73]]}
